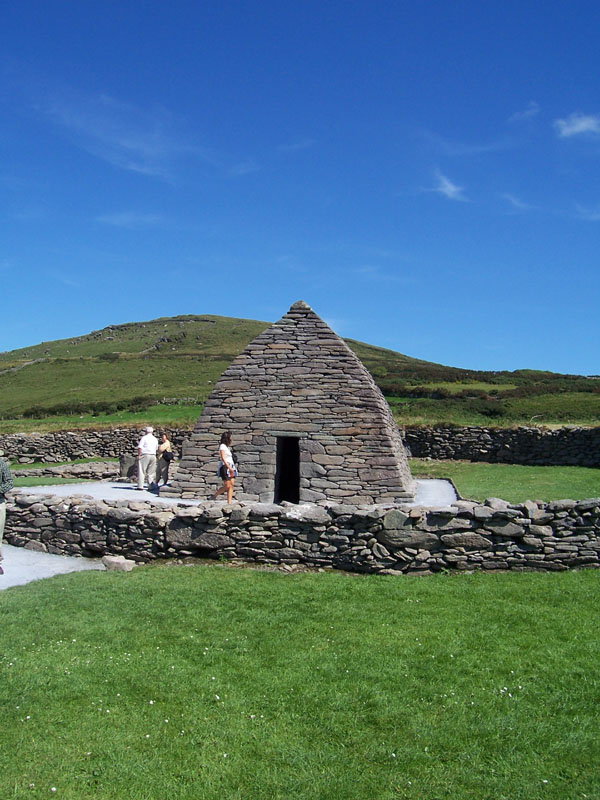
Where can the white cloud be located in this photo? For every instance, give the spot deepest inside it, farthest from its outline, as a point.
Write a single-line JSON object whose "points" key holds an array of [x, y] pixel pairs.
{"points": [[449, 147], [65, 280], [130, 219], [516, 203], [576, 124], [589, 214], [126, 136], [448, 189], [246, 167], [532, 110]]}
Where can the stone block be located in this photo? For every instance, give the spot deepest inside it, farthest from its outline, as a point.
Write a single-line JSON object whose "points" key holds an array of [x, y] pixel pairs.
{"points": [[118, 563], [467, 540], [396, 539]]}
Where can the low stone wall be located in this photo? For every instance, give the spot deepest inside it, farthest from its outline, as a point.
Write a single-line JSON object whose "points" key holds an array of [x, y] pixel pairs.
{"points": [[534, 446], [465, 536], [25, 448], [563, 446], [94, 471]]}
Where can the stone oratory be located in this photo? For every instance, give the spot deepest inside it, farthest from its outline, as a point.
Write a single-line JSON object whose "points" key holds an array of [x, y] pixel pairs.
{"points": [[309, 424]]}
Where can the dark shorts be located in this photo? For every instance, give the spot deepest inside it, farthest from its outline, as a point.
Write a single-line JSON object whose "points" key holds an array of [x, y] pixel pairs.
{"points": [[223, 472]]}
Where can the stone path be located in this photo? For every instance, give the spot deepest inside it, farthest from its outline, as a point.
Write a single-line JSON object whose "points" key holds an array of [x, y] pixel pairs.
{"points": [[22, 566]]}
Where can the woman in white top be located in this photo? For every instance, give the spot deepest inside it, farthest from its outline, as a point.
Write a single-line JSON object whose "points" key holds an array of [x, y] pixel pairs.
{"points": [[227, 469]]}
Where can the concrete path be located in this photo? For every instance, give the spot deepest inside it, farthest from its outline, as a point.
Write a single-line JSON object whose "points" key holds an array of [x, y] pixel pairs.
{"points": [[22, 566], [433, 493]]}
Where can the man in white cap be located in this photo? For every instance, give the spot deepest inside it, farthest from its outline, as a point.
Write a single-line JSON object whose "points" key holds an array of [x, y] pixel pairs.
{"points": [[6, 484], [147, 447]]}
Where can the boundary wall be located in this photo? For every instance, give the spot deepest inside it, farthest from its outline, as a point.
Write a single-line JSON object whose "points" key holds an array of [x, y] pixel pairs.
{"points": [[535, 446], [529, 446], [377, 539]]}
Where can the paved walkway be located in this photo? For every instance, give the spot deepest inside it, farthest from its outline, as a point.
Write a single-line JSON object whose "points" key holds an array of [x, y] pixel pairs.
{"points": [[433, 493], [21, 565]]}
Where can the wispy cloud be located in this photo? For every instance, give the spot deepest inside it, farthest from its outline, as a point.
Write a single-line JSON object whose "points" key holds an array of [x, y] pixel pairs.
{"points": [[292, 147], [577, 124], [532, 110], [516, 203], [452, 148], [374, 273], [126, 136], [65, 280], [589, 214], [131, 219], [447, 188], [246, 167]]}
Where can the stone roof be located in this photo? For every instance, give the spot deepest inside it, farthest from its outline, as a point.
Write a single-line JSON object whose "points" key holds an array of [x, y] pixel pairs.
{"points": [[298, 380]]}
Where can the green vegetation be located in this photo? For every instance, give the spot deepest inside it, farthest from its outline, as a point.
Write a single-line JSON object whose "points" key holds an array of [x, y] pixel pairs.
{"points": [[512, 482], [212, 683], [40, 480], [124, 373]]}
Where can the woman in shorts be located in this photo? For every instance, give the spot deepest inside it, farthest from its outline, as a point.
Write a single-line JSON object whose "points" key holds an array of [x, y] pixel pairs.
{"points": [[227, 470]]}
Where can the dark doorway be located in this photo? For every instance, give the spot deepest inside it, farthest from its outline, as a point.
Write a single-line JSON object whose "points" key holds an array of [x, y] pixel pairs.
{"points": [[287, 472]]}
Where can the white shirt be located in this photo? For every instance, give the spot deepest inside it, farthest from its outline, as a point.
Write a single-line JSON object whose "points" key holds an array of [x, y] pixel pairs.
{"points": [[226, 457], [148, 445]]}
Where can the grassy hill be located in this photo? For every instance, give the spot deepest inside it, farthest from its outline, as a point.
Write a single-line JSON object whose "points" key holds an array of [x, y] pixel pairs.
{"points": [[128, 372]]}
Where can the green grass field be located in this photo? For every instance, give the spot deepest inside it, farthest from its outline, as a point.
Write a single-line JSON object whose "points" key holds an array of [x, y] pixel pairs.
{"points": [[512, 482], [215, 682], [119, 374]]}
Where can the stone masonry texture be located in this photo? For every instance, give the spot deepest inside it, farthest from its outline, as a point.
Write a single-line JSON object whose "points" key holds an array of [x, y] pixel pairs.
{"points": [[392, 540], [299, 380]]}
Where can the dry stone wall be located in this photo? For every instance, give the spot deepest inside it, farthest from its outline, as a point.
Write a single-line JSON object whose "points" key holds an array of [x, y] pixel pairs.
{"points": [[560, 447], [25, 448], [533, 446], [390, 540]]}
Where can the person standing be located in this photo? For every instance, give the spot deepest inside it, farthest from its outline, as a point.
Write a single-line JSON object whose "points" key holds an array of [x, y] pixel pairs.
{"points": [[227, 468], [6, 484], [147, 447], [165, 456]]}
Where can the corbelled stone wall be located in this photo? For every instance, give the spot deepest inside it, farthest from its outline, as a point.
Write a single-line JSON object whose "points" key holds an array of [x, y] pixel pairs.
{"points": [[298, 400], [559, 447], [465, 536]]}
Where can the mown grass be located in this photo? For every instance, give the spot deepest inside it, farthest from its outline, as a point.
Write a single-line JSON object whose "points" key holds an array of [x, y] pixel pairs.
{"points": [[209, 682], [512, 482], [32, 480]]}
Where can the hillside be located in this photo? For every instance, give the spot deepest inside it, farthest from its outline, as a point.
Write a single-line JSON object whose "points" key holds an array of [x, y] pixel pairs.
{"points": [[176, 360]]}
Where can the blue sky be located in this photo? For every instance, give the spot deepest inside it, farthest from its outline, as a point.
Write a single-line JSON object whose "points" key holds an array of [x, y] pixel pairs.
{"points": [[426, 175]]}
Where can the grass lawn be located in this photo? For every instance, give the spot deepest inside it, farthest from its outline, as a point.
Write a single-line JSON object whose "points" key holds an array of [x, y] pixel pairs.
{"points": [[158, 415], [40, 480], [512, 482], [213, 683]]}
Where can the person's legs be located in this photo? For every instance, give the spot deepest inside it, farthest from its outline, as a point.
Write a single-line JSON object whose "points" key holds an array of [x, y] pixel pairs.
{"points": [[162, 471], [141, 471], [2, 521], [227, 487], [151, 470]]}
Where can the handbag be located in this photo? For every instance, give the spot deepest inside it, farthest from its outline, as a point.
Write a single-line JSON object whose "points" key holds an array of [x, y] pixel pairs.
{"points": [[168, 456]]}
